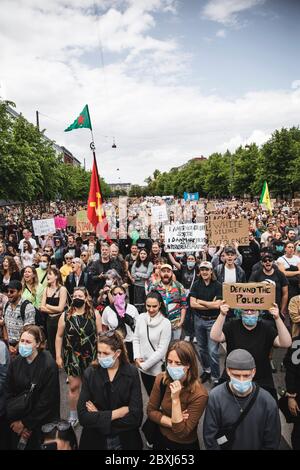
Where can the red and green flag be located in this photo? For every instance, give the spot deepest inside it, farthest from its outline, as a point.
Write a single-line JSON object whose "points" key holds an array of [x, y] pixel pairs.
{"points": [[83, 120], [265, 197]]}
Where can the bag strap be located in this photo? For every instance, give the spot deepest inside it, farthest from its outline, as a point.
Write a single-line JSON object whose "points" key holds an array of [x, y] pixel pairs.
{"points": [[149, 339], [43, 278], [246, 410], [286, 261], [23, 308]]}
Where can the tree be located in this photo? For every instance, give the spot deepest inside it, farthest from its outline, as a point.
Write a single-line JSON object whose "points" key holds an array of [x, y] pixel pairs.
{"points": [[30, 168]]}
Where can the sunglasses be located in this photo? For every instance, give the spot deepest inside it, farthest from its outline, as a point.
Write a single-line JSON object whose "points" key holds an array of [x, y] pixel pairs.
{"points": [[68, 258], [108, 334], [11, 291], [266, 260], [59, 425]]}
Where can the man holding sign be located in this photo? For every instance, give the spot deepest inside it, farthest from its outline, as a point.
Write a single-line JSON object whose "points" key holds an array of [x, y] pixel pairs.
{"points": [[249, 333]]}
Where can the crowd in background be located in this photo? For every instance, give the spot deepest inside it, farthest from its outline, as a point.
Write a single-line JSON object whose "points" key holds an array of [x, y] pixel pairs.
{"points": [[110, 314]]}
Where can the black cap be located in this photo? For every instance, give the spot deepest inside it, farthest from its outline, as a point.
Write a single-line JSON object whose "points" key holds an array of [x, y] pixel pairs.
{"points": [[267, 255], [229, 249], [15, 285]]}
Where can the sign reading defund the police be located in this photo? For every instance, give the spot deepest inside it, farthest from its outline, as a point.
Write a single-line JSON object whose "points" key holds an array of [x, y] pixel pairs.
{"points": [[184, 237], [251, 295], [227, 231], [43, 227]]}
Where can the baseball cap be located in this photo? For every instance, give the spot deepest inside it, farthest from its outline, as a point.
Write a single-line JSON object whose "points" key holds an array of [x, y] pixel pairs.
{"points": [[167, 266], [206, 264], [267, 255], [15, 285], [229, 249]]}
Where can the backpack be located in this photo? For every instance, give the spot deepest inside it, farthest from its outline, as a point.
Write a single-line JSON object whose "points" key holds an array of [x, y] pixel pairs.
{"points": [[39, 319]]}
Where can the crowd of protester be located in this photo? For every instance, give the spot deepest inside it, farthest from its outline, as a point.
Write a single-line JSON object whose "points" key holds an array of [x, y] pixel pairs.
{"points": [[117, 315]]}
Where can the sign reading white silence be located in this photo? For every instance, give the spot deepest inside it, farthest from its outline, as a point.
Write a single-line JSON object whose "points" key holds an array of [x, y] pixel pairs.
{"points": [[43, 227], [184, 237]]}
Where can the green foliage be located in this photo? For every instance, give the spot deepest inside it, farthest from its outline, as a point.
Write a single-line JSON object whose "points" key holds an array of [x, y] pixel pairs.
{"points": [[238, 174], [30, 169]]}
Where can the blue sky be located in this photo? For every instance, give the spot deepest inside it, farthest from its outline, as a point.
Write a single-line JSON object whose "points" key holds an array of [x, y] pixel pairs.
{"points": [[178, 78]]}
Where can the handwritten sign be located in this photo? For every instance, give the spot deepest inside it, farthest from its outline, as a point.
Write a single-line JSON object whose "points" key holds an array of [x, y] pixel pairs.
{"points": [[83, 224], [296, 203], [60, 222], [184, 237], [43, 227], [251, 295], [159, 214], [71, 221], [227, 231]]}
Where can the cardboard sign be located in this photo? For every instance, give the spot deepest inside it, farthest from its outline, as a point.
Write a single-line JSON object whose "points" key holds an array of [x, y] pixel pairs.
{"points": [[184, 237], [83, 224], [71, 221], [60, 222], [43, 227], [296, 203], [227, 231], [251, 295], [159, 214]]}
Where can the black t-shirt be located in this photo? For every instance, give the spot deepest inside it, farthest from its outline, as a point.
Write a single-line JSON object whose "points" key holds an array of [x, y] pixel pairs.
{"points": [[257, 342], [187, 277], [278, 277], [206, 292]]}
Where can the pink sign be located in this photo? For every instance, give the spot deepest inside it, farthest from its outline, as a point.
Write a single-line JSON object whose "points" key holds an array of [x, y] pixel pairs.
{"points": [[60, 222]]}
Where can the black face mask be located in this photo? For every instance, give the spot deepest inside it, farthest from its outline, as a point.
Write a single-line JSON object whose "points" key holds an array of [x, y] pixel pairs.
{"points": [[78, 303]]}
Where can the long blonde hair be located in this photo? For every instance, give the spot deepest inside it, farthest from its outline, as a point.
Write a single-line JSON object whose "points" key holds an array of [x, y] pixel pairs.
{"points": [[35, 281]]}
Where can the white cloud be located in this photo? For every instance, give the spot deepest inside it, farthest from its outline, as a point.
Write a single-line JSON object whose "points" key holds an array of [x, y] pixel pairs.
{"points": [[221, 33], [295, 84], [257, 136], [139, 97], [226, 11]]}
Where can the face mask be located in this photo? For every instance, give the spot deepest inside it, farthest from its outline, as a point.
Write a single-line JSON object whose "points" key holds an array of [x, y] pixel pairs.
{"points": [[190, 264], [109, 282], [241, 387], [106, 362], [78, 303], [176, 373], [25, 350], [249, 320], [120, 304], [43, 265]]}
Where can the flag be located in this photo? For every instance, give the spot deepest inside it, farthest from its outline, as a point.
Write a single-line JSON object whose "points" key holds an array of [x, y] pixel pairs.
{"points": [[83, 120], [95, 212], [265, 197]]}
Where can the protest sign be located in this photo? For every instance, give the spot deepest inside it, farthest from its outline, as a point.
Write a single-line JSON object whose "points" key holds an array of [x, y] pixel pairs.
{"points": [[60, 222], [71, 221], [191, 196], [83, 224], [43, 227], [227, 231], [296, 203], [159, 214], [251, 295], [184, 237]]}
